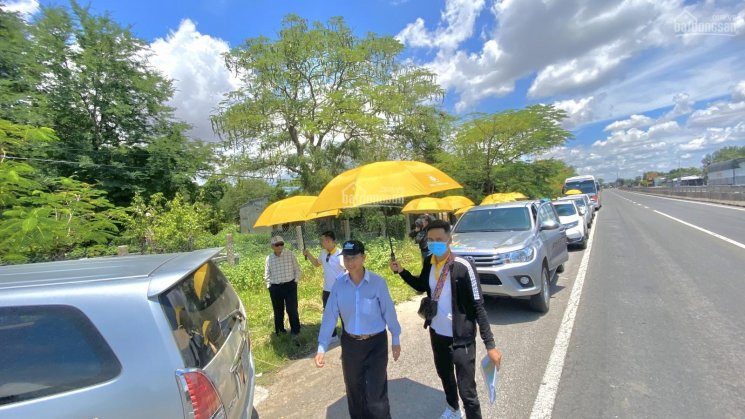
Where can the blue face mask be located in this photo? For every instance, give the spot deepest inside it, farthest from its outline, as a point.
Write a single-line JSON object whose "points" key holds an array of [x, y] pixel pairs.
{"points": [[437, 248]]}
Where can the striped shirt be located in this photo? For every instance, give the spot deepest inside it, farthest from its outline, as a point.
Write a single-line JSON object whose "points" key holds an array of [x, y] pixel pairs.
{"points": [[281, 269]]}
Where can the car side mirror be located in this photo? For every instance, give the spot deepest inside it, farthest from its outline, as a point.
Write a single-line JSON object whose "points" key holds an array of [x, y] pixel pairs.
{"points": [[549, 225], [582, 211]]}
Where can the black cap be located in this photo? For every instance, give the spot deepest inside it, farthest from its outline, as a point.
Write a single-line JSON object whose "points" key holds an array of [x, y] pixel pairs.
{"points": [[352, 247]]}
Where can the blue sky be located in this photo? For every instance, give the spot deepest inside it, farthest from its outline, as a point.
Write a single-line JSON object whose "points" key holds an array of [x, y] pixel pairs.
{"points": [[646, 84]]}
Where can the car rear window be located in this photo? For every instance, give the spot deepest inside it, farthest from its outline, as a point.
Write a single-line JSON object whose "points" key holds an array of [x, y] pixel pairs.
{"points": [[495, 219], [201, 310], [565, 209], [50, 349], [586, 186]]}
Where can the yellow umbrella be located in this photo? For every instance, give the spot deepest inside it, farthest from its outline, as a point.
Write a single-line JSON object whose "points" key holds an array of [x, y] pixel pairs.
{"points": [[573, 192], [499, 197], [517, 195], [422, 205], [463, 210], [457, 201], [290, 210], [381, 182], [322, 214], [496, 198]]}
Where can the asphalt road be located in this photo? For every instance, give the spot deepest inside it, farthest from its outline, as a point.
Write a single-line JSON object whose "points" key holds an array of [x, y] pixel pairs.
{"points": [[659, 330]]}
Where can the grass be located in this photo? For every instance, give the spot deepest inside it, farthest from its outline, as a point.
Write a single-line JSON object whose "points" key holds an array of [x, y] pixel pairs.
{"points": [[272, 352]]}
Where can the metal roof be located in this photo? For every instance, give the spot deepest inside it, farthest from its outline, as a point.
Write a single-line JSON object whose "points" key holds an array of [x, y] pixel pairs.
{"points": [[71, 272], [726, 165]]}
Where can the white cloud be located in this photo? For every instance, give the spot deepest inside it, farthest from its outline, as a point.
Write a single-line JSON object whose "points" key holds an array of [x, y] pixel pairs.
{"points": [[640, 143], [578, 111], [626, 51], [738, 92], [195, 64], [459, 17], [26, 8], [634, 121]]}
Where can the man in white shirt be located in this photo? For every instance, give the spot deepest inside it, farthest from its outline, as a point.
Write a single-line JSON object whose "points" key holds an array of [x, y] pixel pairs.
{"points": [[332, 262], [281, 273]]}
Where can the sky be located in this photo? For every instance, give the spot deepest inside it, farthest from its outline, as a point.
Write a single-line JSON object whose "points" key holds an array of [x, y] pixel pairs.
{"points": [[647, 85]]}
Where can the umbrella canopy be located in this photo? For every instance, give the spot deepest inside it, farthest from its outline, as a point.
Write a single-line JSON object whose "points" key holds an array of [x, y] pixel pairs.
{"points": [[422, 205], [463, 210], [458, 202], [573, 192], [290, 210], [382, 182], [499, 197]]}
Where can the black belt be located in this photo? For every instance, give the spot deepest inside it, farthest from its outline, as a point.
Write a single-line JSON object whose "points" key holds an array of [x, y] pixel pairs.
{"points": [[362, 337]]}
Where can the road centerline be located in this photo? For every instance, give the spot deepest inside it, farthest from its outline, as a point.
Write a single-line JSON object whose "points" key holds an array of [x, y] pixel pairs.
{"points": [[711, 233]]}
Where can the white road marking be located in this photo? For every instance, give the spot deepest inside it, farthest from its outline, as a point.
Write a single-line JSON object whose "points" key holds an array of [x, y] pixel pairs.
{"points": [[691, 202], [711, 233], [544, 401]]}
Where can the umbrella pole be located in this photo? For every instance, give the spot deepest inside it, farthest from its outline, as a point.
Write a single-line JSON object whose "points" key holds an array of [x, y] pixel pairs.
{"points": [[390, 240]]}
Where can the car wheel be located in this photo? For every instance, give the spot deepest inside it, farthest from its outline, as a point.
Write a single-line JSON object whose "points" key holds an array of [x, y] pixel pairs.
{"points": [[540, 301], [560, 269], [583, 243]]}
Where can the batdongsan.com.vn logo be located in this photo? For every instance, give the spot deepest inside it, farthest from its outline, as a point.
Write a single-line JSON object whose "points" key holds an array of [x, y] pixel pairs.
{"points": [[689, 24], [355, 195]]}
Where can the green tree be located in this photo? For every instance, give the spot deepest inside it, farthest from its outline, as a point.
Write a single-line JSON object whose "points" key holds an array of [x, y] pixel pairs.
{"points": [[44, 218], [162, 226], [724, 154], [319, 98], [109, 107], [487, 141], [20, 101], [542, 178]]}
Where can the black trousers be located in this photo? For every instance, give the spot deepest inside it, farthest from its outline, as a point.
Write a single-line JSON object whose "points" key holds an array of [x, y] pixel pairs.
{"points": [[461, 381], [365, 367], [325, 298], [284, 296]]}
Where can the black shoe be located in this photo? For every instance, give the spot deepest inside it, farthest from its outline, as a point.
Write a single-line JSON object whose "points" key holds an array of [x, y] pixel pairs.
{"points": [[280, 332]]}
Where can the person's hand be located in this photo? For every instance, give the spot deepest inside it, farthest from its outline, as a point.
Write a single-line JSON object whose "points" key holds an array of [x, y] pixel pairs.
{"points": [[396, 267], [396, 351], [495, 355], [319, 360]]}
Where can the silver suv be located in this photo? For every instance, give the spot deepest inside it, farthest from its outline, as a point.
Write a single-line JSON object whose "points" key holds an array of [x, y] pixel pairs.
{"points": [[155, 336], [517, 248]]}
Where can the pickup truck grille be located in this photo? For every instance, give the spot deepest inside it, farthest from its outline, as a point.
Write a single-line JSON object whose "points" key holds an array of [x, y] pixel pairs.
{"points": [[485, 259]]}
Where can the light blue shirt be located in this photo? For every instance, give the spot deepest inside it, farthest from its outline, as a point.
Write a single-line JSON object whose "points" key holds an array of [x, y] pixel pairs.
{"points": [[366, 309]]}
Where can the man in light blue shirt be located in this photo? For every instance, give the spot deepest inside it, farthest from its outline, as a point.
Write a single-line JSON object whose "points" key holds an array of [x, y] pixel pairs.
{"points": [[364, 302]]}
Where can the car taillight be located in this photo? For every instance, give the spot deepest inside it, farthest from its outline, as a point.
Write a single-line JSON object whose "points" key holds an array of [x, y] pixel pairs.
{"points": [[201, 394], [594, 197]]}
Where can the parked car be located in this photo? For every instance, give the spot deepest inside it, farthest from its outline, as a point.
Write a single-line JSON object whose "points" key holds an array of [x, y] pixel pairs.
{"points": [[574, 222], [588, 185], [517, 248], [586, 209], [153, 336]]}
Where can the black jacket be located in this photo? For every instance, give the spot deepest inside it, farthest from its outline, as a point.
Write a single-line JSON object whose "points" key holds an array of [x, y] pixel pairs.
{"points": [[468, 301]]}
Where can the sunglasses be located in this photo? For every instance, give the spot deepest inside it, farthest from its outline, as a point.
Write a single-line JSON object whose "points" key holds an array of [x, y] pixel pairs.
{"points": [[279, 244], [327, 258]]}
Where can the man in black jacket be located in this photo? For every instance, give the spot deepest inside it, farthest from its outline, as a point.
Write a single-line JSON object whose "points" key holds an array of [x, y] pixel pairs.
{"points": [[452, 282]]}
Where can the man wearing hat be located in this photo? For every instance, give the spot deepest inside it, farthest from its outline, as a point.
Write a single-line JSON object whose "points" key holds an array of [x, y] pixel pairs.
{"points": [[364, 302], [281, 273]]}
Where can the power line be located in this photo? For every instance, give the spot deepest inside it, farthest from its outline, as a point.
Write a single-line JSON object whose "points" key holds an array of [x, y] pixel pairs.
{"points": [[202, 173]]}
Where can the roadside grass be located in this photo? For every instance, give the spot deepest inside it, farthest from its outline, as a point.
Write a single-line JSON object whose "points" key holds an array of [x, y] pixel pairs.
{"points": [[272, 352]]}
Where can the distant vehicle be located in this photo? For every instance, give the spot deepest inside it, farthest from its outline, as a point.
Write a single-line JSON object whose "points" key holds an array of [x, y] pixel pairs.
{"points": [[517, 248], [587, 184], [153, 336], [574, 221], [586, 209]]}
